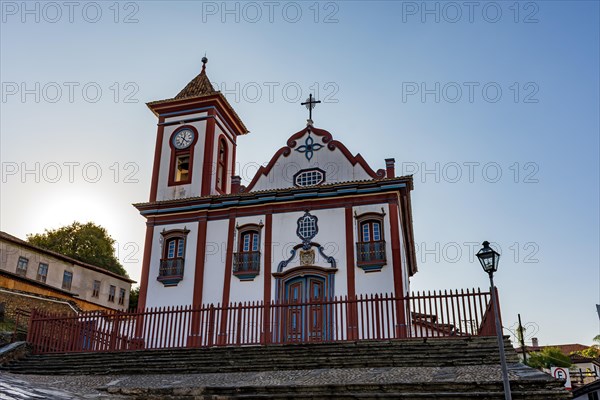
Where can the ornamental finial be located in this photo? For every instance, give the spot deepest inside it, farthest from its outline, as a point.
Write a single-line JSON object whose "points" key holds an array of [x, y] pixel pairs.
{"points": [[204, 61]]}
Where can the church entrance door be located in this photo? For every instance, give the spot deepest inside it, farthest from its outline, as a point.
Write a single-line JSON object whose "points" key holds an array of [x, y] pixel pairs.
{"points": [[306, 314]]}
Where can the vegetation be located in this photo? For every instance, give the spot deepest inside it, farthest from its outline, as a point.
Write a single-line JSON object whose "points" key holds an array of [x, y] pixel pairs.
{"points": [[593, 351], [134, 296], [548, 357], [89, 243], [7, 326]]}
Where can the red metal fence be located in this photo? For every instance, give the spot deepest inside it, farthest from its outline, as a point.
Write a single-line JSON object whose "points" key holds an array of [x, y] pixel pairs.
{"points": [[374, 317]]}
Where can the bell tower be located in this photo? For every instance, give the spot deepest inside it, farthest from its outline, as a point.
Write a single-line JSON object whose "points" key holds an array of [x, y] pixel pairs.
{"points": [[195, 142]]}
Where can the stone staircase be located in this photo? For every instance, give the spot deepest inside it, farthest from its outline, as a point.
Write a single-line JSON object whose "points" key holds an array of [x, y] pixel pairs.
{"points": [[406, 353], [457, 368]]}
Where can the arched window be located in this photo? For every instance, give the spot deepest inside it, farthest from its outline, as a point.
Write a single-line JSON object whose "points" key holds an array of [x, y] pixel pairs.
{"points": [[173, 257], [246, 261], [222, 166], [370, 248]]}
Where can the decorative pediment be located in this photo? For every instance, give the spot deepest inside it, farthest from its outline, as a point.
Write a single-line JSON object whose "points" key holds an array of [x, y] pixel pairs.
{"points": [[312, 157], [306, 253]]}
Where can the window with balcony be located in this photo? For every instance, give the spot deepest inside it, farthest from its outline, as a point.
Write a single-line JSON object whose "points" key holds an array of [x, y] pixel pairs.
{"points": [[67, 280], [370, 249], [172, 263], [22, 266], [246, 261], [42, 272]]}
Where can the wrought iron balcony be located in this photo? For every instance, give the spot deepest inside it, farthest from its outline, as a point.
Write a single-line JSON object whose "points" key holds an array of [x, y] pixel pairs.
{"points": [[171, 271], [370, 256], [246, 265]]}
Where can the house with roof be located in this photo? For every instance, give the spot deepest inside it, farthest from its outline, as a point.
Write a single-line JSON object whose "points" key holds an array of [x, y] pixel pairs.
{"points": [[33, 277], [583, 370]]}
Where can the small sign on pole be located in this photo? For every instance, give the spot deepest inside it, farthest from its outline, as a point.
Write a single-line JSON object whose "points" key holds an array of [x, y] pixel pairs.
{"points": [[562, 374]]}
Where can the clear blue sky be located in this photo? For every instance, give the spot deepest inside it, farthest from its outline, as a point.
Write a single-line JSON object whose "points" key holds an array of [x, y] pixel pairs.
{"points": [[464, 93]]}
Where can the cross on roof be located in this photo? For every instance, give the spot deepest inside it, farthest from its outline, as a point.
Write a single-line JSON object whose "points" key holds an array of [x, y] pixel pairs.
{"points": [[310, 104]]}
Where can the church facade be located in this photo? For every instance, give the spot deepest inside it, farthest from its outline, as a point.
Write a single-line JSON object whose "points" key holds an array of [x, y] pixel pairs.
{"points": [[316, 222]]}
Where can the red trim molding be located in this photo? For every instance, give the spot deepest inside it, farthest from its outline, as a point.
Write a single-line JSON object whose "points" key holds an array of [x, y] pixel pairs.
{"points": [[194, 339], [263, 171], [291, 142], [186, 106], [357, 159], [327, 139], [297, 205], [200, 261], [350, 252], [139, 326], [352, 319], [226, 176], [397, 265], [267, 276], [209, 150], [157, 152], [227, 280]]}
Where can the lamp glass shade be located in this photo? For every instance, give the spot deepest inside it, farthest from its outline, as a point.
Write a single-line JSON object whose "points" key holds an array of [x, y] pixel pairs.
{"points": [[488, 258]]}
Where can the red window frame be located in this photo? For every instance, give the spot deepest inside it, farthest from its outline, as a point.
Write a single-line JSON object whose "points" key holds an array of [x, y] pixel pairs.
{"points": [[254, 238], [370, 231], [176, 153], [221, 172]]}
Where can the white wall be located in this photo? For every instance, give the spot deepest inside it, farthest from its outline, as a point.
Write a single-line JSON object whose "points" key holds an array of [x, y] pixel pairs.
{"points": [[214, 266], [336, 166], [182, 294]]}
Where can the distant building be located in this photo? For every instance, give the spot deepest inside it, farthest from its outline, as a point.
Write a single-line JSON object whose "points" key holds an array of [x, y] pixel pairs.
{"points": [[30, 272], [566, 349], [584, 369], [591, 391]]}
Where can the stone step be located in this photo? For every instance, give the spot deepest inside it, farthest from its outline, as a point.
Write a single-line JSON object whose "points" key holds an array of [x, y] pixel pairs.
{"points": [[531, 390], [464, 351], [486, 354]]}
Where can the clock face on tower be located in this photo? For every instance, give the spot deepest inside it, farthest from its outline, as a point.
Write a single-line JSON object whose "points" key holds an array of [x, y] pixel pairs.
{"points": [[183, 139]]}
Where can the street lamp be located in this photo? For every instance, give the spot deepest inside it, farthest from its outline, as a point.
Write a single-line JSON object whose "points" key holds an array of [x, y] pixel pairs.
{"points": [[489, 258]]}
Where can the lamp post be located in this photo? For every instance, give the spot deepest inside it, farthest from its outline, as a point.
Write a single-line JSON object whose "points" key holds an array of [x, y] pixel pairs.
{"points": [[489, 258]]}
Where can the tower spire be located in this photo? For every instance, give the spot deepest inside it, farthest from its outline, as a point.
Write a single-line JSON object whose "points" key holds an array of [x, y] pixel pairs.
{"points": [[199, 86]]}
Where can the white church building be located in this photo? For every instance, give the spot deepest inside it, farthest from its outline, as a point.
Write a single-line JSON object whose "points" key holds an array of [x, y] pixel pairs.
{"points": [[317, 222], [317, 247]]}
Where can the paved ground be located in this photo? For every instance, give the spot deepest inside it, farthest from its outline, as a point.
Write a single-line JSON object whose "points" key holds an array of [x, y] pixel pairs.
{"points": [[104, 386], [18, 387]]}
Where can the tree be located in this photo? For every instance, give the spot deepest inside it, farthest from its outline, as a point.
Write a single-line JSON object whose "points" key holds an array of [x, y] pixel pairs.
{"points": [[593, 351], [89, 243], [134, 296], [548, 357]]}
